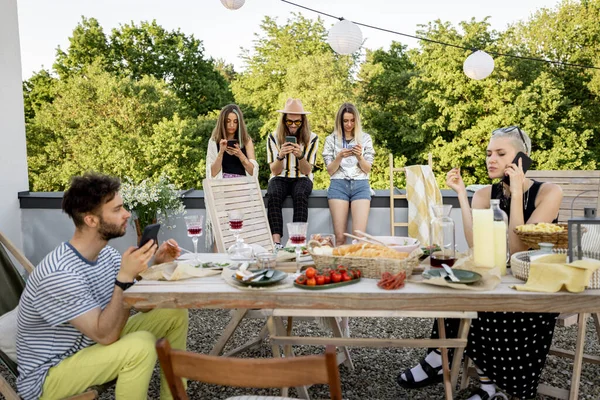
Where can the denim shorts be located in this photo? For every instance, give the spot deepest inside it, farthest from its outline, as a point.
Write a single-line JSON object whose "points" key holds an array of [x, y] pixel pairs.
{"points": [[349, 190]]}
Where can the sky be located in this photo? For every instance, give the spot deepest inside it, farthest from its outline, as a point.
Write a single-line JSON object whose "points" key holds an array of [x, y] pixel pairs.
{"points": [[44, 25]]}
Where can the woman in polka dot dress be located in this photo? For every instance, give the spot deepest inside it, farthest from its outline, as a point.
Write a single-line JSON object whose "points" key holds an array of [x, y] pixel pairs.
{"points": [[508, 349]]}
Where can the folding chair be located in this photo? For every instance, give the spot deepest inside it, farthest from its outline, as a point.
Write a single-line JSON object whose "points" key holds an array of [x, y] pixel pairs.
{"points": [[13, 285], [254, 373], [244, 194]]}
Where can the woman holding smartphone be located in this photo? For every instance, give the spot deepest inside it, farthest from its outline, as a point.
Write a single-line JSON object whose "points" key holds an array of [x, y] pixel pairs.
{"points": [[291, 154], [230, 152], [348, 154], [508, 349]]}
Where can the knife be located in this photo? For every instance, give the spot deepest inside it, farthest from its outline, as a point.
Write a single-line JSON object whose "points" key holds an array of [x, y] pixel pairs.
{"points": [[255, 275], [453, 277]]}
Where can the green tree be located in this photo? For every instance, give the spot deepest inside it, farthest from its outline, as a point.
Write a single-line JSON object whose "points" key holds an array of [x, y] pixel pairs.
{"points": [[148, 49], [114, 125]]}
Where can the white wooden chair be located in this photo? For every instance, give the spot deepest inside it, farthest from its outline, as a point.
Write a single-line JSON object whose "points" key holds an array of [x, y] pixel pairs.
{"points": [[244, 194]]}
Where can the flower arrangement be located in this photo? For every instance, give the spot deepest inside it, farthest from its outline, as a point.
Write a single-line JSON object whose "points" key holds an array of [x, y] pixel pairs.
{"points": [[151, 202]]}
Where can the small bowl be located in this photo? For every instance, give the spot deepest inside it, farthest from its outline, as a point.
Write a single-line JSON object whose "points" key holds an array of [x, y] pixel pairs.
{"points": [[402, 244]]}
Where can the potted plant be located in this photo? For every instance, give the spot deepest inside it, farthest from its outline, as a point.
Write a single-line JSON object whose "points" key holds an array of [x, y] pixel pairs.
{"points": [[151, 201]]}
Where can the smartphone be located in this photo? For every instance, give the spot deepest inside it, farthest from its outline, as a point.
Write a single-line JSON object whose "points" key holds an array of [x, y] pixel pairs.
{"points": [[232, 143], [150, 232], [350, 146], [290, 139], [526, 161]]}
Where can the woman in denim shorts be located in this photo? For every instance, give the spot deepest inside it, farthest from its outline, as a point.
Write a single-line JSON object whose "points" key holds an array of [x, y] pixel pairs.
{"points": [[348, 154]]}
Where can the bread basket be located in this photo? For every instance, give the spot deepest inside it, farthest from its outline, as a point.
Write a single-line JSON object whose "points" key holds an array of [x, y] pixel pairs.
{"points": [[520, 264], [369, 267], [560, 240]]}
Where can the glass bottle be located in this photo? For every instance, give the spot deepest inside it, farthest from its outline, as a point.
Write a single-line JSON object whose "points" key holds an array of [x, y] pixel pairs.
{"points": [[441, 237], [501, 254]]}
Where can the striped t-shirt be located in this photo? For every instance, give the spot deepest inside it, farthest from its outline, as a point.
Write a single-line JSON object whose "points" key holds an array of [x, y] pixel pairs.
{"points": [[62, 287], [291, 168]]}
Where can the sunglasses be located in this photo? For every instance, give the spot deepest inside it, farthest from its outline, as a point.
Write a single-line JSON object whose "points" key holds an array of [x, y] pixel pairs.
{"points": [[290, 122], [510, 129]]}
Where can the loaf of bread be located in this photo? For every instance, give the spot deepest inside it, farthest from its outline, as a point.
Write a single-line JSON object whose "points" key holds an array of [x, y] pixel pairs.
{"points": [[368, 250]]}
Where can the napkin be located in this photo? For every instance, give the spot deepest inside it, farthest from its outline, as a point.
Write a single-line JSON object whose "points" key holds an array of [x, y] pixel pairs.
{"points": [[175, 271], [552, 272]]}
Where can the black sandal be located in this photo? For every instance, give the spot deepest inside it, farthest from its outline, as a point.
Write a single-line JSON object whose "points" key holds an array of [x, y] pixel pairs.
{"points": [[432, 377]]}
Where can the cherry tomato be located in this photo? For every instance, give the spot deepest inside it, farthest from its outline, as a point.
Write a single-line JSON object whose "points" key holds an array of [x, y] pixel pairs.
{"points": [[327, 279], [311, 282], [310, 272], [336, 277], [354, 273], [301, 280], [320, 279], [346, 277]]}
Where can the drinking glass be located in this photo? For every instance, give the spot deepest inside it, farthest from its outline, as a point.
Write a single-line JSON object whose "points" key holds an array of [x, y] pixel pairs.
{"points": [[193, 224], [239, 250], [297, 232]]}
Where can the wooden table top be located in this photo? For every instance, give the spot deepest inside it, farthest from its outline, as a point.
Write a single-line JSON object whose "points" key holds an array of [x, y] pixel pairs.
{"points": [[214, 292]]}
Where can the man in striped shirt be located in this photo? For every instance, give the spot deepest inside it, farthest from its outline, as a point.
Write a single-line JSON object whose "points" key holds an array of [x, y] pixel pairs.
{"points": [[291, 154], [73, 329]]}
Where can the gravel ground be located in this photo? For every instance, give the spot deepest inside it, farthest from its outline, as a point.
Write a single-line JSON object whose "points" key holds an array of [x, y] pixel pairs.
{"points": [[374, 376]]}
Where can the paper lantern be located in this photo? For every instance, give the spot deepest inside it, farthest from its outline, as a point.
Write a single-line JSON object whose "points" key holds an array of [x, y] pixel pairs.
{"points": [[478, 65], [345, 37], [233, 4]]}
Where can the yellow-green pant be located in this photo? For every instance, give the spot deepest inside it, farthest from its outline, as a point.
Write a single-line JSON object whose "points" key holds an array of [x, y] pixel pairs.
{"points": [[130, 360]]}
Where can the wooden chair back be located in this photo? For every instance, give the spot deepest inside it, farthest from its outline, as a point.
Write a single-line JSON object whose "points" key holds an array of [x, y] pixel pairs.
{"points": [[244, 194], [580, 189], [250, 373]]}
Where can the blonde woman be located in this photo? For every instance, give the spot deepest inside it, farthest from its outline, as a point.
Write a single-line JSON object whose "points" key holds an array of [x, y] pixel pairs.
{"points": [[230, 153], [349, 155]]}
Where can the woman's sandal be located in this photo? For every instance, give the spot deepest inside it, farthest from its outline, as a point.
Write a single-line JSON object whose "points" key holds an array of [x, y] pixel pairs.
{"points": [[486, 396], [432, 377]]}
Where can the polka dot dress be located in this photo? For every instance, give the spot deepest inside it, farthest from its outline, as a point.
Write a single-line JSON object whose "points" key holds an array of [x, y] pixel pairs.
{"points": [[510, 348]]}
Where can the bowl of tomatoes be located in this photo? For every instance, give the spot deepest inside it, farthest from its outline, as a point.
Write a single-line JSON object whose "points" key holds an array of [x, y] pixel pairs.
{"points": [[327, 278]]}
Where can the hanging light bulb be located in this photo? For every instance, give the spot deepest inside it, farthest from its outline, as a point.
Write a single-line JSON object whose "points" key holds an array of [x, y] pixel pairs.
{"points": [[478, 65], [345, 37], [233, 4]]}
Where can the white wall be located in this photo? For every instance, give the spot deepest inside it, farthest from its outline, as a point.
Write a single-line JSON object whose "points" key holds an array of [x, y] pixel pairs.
{"points": [[13, 153]]}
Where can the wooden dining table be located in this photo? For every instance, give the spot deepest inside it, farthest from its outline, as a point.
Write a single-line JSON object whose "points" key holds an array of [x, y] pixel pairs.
{"points": [[366, 299]]}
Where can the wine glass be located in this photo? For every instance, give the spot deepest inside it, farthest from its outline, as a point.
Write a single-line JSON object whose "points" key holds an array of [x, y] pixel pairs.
{"points": [[297, 232], [193, 224], [239, 250]]}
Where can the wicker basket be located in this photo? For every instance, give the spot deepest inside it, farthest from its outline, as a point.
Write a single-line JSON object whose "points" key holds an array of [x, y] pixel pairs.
{"points": [[560, 240], [520, 264], [369, 267]]}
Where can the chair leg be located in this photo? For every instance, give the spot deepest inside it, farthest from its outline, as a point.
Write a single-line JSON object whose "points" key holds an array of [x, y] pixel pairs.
{"points": [[463, 333], [596, 317], [7, 391], [574, 393], [337, 332], [236, 318], [464, 382]]}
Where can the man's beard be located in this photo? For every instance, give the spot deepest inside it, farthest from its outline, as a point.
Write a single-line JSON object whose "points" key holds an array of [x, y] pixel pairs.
{"points": [[110, 231]]}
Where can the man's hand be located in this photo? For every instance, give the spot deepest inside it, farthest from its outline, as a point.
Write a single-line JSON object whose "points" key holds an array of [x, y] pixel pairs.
{"points": [[167, 252], [135, 261], [297, 150], [286, 149]]}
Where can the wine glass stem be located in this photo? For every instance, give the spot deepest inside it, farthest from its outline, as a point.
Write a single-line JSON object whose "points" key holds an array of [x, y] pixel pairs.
{"points": [[298, 252], [195, 240]]}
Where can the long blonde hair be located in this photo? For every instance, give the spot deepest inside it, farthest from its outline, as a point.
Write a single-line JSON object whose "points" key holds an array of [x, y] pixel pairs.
{"points": [[220, 131], [339, 122], [302, 135]]}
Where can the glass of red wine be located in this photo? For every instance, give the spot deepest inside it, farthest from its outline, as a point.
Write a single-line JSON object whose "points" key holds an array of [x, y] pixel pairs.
{"points": [[297, 233], [193, 224], [239, 250]]}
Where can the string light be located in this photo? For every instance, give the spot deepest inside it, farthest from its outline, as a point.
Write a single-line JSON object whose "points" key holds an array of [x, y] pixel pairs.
{"points": [[478, 65], [233, 4], [466, 65], [345, 37]]}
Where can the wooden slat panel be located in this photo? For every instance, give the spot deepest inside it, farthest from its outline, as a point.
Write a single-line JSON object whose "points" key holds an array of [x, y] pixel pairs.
{"points": [[570, 174]]}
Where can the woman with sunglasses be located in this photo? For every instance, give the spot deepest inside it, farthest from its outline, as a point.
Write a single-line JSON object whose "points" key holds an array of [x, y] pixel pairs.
{"points": [[291, 154], [348, 154], [508, 349], [230, 152]]}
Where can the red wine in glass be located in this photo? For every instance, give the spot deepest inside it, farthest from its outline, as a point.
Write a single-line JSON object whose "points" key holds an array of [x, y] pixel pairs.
{"points": [[298, 239], [194, 231], [236, 224], [437, 260]]}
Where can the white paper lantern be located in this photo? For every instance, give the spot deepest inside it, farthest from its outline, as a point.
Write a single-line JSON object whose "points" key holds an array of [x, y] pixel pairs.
{"points": [[233, 4], [345, 37], [478, 65]]}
